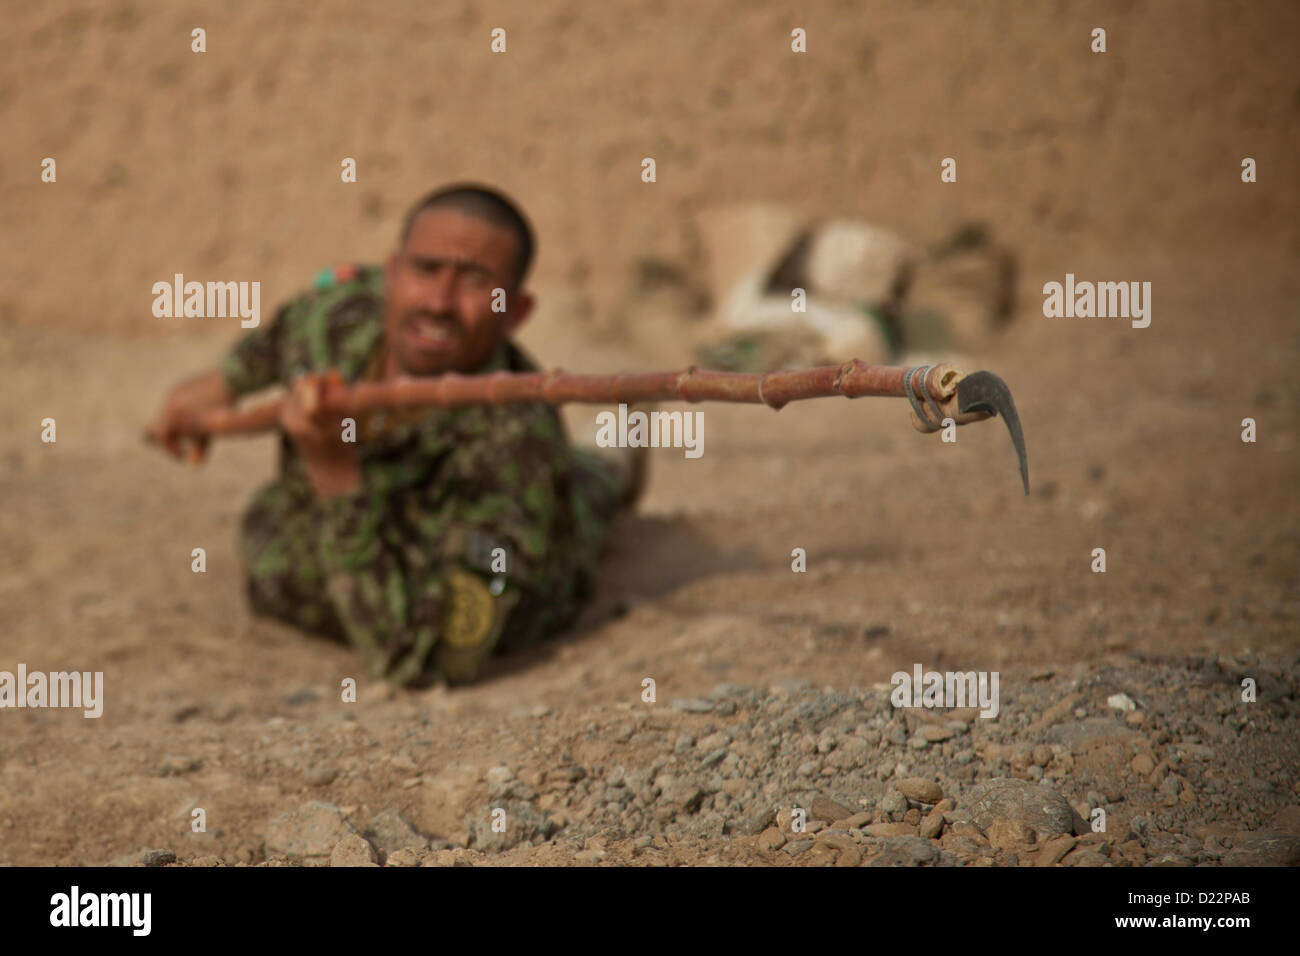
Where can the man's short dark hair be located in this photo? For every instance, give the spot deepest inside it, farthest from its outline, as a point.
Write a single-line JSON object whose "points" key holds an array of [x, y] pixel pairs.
{"points": [[488, 205]]}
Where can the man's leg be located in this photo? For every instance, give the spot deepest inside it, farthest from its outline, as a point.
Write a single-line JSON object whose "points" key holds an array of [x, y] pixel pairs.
{"points": [[284, 577]]}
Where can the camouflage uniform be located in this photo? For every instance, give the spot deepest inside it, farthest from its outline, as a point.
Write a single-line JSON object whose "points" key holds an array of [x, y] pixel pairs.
{"points": [[403, 568]]}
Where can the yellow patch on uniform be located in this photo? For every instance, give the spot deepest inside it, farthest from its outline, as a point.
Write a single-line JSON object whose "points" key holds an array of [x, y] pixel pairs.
{"points": [[471, 610]]}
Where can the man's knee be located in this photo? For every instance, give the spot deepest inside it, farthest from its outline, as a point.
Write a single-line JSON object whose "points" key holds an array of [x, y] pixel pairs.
{"points": [[283, 576]]}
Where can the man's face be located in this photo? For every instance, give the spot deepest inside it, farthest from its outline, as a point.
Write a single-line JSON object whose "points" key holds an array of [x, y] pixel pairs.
{"points": [[439, 314]]}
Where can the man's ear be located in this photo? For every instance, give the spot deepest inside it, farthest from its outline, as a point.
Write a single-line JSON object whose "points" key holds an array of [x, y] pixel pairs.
{"points": [[522, 308]]}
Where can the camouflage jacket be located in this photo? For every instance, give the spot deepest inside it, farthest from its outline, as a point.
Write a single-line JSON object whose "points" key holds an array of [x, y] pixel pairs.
{"points": [[410, 557]]}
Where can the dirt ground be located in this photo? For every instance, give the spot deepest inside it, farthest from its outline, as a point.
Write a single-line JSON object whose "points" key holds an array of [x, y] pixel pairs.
{"points": [[1115, 166]]}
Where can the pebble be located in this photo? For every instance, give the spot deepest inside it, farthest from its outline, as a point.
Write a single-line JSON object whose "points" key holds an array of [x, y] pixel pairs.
{"points": [[311, 832], [390, 832], [320, 776], [715, 757], [920, 789], [1120, 702], [353, 850], [823, 808], [692, 705], [176, 766], [932, 825], [714, 741]]}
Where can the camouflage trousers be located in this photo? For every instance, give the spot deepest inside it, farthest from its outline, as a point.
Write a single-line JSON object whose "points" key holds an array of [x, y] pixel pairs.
{"points": [[286, 581]]}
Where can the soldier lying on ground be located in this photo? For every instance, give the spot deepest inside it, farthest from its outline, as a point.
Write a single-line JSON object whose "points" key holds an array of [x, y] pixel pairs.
{"points": [[439, 535]]}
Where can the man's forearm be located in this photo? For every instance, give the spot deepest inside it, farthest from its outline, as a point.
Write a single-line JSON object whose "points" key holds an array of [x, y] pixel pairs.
{"points": [[203, 391]]}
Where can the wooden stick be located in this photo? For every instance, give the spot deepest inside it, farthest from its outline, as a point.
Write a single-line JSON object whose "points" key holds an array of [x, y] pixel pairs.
{"points": [[853, 379]]}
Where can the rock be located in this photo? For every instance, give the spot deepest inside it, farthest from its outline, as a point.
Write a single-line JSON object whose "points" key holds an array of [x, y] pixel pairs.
{"points": [[500, 775], [353, 850], [932, 825], [1264, 849], [175, 766], [1004, 834], [522, 824], [920, 790], [1038, 807], [771, 839], [795, 847], [680, 794], [1286, 820], [935, 733], [966, 850], [719, 740], [1142, 765], [692, 705], [1081, 857], [894, 804], [411, 856], [890, 830], [824, 808], [754, 821], [852, 822], [389, 832], [839, 839], [565, 775], [912, 851], [821, 854], [320, 776], [309, 833], [1120, 702], [157, 857], [969, 831], [855, 261], [849, 857], [715, 757], [1053, 850]]}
